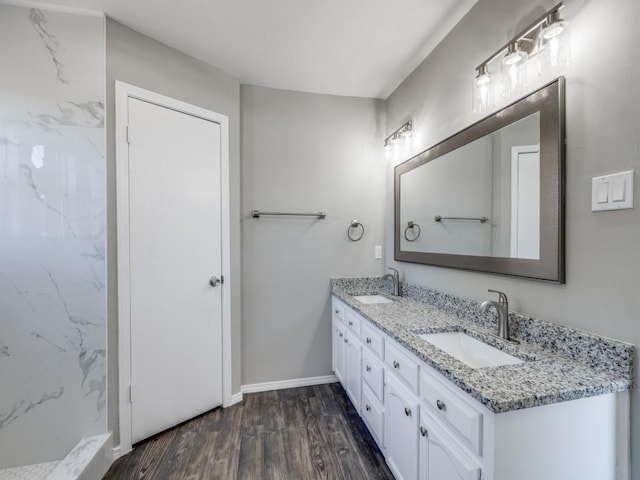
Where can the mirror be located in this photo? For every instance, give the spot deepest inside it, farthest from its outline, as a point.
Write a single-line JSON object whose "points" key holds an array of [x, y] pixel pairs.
{"points": [[490, 198]]}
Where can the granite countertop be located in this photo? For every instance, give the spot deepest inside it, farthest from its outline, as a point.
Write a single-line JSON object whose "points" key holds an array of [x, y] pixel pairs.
{"points": [[544, 377]]}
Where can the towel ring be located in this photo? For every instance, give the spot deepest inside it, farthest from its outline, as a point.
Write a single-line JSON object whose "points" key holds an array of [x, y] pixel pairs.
{"points": [[355, 237], [412, 226]]}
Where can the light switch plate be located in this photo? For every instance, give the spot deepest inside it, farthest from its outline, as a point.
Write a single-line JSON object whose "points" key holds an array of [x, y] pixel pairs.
{"points": [[612, 192], [378, 251]]}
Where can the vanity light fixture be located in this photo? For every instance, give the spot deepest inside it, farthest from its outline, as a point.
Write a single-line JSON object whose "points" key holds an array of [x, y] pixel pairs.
{"points": [[547, 37], [398, 136]]}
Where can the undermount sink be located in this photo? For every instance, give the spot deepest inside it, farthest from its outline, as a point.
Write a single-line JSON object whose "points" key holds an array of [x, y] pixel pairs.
{"points": [[468, 350], [371, 299]]}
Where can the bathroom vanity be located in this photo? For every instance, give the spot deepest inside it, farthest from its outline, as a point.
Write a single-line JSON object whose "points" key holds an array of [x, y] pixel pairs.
{"points": [[532, 412]]}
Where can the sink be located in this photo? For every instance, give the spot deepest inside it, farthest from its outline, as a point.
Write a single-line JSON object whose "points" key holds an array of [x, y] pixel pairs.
{"points": [[371, 299], [468, 350]]}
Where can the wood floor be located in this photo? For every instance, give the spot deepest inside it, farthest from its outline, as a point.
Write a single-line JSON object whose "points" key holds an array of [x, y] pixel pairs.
{"points": [[295, 434]]}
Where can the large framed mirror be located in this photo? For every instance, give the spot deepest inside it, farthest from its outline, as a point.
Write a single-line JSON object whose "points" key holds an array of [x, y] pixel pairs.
{"points": [[491, 197]]}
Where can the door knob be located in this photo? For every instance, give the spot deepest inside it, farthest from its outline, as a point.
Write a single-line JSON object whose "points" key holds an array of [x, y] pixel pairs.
{"points": [[215, 281]]}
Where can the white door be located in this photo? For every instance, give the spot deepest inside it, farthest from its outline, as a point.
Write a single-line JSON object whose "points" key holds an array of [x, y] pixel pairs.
{"points": [[525, 202], [175, 248]]}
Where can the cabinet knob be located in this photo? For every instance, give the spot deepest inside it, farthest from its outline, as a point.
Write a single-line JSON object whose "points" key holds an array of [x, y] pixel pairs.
{"points": [[350, 323], [367, 408], [440, 404], [368, 340], [368, 368], [346, 341], [337, 312], [407, 411], [396, 364], [423, 431], [341, 335]]}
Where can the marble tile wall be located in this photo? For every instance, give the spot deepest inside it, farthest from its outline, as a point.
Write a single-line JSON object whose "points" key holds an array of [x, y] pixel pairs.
{"points": [[52, 233]]}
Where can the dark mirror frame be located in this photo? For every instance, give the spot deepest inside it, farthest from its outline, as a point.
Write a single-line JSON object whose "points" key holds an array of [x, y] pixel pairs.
{"points": [[550, 102]]}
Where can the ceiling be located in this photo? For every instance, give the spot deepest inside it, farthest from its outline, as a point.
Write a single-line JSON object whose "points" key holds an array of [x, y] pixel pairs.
{"points": [[361, 48]]}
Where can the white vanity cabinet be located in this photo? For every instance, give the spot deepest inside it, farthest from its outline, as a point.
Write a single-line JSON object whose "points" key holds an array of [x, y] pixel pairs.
{"points": [[430, 429]]}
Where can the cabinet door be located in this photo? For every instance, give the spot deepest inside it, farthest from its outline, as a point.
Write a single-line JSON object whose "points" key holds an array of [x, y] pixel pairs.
{"points": [[339, 348], [401, 430], [440, 457], [353, 369]]}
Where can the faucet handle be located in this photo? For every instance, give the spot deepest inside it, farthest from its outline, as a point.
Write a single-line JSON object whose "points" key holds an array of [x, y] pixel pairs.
{"points": [[502, 295]]}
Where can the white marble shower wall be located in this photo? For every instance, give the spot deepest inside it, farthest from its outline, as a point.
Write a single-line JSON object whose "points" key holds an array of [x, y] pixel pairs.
{"points": [[52, 233]]}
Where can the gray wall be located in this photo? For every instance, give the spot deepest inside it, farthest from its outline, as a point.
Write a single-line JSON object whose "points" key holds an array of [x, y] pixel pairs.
{"points": [[304, 152], [140, 61], [603, 128]]}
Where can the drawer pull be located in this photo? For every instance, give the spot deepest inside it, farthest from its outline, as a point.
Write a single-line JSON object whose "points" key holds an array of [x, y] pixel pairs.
{"points": [[346, 341], [407, 411], [337, 312], [396, 364], [423, 431], [368, 367], [350, 323], [368, 340], [341, 335], [441, 406], [367, 408]]}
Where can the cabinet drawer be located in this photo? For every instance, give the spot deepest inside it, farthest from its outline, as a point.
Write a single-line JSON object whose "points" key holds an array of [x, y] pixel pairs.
{"points": [[445, 404], [402, 364], [338, 310], [373, 374], [352, 320], [373, 413], [372, 339]]}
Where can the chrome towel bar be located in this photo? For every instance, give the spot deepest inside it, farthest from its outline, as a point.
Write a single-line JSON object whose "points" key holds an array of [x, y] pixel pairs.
{"points": [[318, 215], [475, 219]]}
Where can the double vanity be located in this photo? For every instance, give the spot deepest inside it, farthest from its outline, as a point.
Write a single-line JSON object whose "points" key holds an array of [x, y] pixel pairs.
{"points": [[445, 398]]}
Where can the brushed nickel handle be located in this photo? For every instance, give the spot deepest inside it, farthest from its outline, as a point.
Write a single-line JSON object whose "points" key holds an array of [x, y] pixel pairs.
{"points": [[367, 408], [368, 340], [441, 406], [407, 411], [423, 431], [368, 368], [396, 364]]}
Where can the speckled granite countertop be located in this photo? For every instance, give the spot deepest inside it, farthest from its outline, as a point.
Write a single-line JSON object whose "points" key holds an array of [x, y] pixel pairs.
{"points": [[545, 377]]}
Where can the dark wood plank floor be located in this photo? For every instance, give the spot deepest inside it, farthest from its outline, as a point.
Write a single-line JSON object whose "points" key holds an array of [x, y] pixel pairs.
{"points": [[296, 434]]}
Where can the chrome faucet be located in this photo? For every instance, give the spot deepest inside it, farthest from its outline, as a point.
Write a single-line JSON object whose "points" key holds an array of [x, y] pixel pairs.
{"points": [[395, 277], [502, 307]]}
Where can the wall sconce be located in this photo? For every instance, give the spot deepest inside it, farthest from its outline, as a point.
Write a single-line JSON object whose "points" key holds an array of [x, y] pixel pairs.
{"points": [[397, 137], [547, 38]]}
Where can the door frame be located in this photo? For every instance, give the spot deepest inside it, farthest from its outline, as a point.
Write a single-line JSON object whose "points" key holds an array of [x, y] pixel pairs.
{"points": [[123, 92]]}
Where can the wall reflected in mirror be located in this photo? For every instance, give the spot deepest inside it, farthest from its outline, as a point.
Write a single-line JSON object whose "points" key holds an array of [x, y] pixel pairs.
{"points": [[480, 199]]}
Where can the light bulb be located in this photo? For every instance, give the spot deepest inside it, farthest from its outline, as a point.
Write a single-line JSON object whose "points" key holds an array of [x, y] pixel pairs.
{"points": [[406, 133], [395, 140], [387, 147], [514, 71], [554, 46], [482, 90]]}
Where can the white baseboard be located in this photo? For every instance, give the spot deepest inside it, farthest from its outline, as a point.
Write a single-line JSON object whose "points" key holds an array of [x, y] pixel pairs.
{"points": [[235, 398], [281, 384], [117, 452]]}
